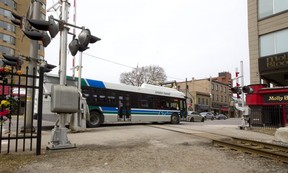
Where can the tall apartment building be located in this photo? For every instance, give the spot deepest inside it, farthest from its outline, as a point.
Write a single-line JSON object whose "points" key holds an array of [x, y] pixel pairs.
{"points": [[268, 48], [268, 41], [211, 94], [12, 40]]}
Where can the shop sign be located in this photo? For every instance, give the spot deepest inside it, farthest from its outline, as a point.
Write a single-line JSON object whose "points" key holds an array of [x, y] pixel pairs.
{"points": [[276, 98], [272, 62]]}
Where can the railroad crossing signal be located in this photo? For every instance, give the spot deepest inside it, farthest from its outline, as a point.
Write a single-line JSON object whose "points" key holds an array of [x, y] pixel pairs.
{"points": [[81, 44], [12, 61], [42, 27], [247, 89]]}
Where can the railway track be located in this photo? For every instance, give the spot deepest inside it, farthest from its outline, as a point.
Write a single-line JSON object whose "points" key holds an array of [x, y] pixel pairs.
{"points": [[262, 149]]}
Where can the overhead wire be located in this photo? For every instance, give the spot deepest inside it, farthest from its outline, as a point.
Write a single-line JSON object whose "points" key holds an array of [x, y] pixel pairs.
{"points": [[117, 63]]}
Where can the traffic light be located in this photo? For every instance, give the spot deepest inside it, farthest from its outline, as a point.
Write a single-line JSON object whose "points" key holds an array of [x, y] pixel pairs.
{"points": [[81, 44], [12, 61], [247, 89]]}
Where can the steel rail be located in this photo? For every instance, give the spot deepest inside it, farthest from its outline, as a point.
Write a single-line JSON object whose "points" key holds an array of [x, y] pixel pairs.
{"points": [[253, 150], [261, 149]]}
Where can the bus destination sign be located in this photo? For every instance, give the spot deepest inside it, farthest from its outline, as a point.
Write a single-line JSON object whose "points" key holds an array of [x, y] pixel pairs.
{"points": [[162, 93]]}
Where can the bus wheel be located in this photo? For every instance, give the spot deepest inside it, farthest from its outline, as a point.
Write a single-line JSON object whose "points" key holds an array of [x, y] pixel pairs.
{"points": [[96, 119], [175, 119]]}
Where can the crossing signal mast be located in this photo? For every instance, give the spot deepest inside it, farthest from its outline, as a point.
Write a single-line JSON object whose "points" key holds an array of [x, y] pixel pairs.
{"points": [[44, 31], [240, 90]]}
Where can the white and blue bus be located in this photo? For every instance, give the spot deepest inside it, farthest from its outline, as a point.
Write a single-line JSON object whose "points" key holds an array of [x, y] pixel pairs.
{"points": [[111, 103]]}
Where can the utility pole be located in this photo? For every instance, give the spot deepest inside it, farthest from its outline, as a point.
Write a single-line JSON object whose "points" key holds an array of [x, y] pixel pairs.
{"points": [[32, 66]]}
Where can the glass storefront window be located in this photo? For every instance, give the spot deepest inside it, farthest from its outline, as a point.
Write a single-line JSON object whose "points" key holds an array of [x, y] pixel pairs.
{"points": [[267, 8], [274, 43]]}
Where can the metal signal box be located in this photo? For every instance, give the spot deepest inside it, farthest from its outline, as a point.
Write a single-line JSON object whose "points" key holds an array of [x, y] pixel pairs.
{"points": [[64, 99]]}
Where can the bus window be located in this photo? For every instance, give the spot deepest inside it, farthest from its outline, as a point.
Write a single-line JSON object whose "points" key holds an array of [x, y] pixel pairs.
{"points": [[143, 104], [95, 98], [175, 104], [102, 99], [120, 107], [127, 107], [183, 109], [111, 98], [85, 93]]}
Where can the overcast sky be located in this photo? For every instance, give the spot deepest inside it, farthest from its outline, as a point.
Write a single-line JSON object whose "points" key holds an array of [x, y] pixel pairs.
{"points": [[187, 38]]}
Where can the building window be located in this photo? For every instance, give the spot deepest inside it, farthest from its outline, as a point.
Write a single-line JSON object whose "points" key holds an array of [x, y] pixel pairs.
{"points": [[6, 13], [216, 87], [42, 16], [7, 26], [6, 50], [41, 47], [10, 3], [274, 43], [271, 7], [212, 86], [7, 38]]}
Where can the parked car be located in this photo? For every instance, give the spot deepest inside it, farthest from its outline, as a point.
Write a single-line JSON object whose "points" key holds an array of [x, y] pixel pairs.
{"points": [[208, 115], [195, 116], [220, 116]]}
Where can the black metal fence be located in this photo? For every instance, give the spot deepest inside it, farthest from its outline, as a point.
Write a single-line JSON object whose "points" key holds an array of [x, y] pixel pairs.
{"points": [[266, 116], [18, 129]]}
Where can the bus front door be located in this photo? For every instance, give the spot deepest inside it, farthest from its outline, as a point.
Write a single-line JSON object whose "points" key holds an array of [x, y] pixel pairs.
{"points": [[124, 109]]}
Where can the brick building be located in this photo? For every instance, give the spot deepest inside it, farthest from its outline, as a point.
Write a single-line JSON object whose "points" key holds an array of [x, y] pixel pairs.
{"points": [[210, 94], [12, 41]]}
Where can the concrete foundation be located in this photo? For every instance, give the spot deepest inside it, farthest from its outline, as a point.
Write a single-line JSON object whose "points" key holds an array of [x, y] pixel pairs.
{"points": [[281, 134]]}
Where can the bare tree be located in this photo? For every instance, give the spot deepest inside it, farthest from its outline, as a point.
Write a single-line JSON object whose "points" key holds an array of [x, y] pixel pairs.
{"points": [[148, 74]]}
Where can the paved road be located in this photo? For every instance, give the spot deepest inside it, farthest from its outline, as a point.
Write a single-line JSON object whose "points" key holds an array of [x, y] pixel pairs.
{"points": [[141, 148]]}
